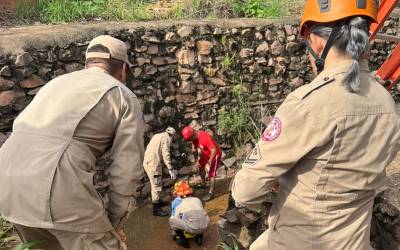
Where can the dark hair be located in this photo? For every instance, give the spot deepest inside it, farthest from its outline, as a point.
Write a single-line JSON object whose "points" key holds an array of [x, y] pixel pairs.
{"points": [[351, 40], [111, 65]]}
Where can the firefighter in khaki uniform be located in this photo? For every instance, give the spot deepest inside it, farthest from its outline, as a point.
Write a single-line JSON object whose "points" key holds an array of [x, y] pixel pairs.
{"points": [[157, 153], [329, 142], [48, 164]]}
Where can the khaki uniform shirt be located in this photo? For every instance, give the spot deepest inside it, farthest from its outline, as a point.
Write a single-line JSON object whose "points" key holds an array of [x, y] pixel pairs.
{"points": [[47, 165], [190, 216], [158, 152], [328, 147]]}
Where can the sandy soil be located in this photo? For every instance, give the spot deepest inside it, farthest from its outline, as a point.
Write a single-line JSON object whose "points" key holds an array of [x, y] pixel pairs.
{"points": [[146, 232]]}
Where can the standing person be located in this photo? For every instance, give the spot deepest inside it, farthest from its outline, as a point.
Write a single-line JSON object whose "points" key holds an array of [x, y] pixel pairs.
{"points": [[187, 216], [157, 153], [210, 155], [47, 165], [329, 142]]}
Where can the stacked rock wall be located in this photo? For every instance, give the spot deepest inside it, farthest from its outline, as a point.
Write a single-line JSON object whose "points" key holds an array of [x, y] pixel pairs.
{"points": [[181, 72]]}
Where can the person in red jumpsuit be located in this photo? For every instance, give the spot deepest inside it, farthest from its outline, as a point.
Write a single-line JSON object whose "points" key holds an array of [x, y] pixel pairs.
{"points": [[210, 155]]}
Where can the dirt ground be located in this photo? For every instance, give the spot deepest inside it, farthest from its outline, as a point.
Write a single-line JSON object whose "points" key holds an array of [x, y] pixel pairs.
{"points": [[146, 232]]}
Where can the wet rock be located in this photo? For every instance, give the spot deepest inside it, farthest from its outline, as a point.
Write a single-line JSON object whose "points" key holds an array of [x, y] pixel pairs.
{"points": [[137, 72], [292, 47], [166, 111], [246, 53], [204, 47], [185, 31], [6, 84], [32, 82], [34, 91], [204, 59], [262, 49], [23, 60], [9, 96], [186, 88], [185, 98], [186, 57], [153, 49], [170, 37], [5, 71], [71, 67], [141, 61], [217, 81], [385, 232], [150, 37], [3, 138], [259, 36]]}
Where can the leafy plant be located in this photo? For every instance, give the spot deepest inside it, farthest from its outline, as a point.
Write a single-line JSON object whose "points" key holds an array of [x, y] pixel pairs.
{"points": [[5, 228], [264, 8], [27, 246], [225, 246], [236, 121]]}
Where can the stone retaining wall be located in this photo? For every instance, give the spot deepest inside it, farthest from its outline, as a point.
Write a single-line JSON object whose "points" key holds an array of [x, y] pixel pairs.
{"points": [[183, 73]]}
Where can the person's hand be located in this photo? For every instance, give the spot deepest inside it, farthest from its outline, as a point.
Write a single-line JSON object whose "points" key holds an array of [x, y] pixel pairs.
{"points": [[121, 235], [173, 173]]}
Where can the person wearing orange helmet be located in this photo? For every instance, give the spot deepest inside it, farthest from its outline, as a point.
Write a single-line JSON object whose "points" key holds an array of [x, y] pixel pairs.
{"points": [[187, 215], [329, 142], [210, 155]]}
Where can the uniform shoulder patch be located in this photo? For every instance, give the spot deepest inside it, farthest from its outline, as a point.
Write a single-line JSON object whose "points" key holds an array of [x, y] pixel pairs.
{"points": [[273, 130], [254, 157]]}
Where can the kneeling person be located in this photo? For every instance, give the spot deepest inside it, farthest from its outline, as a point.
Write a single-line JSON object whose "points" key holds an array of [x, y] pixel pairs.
{"points": [[188, 215]]}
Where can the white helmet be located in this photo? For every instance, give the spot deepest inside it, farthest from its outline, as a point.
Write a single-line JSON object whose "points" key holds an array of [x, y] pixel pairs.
{"points": [[170, 131]]}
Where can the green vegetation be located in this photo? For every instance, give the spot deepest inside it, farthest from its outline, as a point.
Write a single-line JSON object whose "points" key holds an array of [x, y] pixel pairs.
{"points": [[225, 246], [55, 11], [236, 121], [5, 229]]}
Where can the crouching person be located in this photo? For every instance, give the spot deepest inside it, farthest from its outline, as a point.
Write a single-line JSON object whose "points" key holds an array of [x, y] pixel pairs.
{"points": [[188, 217]]}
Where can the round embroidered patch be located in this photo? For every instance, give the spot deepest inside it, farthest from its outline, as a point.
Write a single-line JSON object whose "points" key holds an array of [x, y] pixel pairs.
{"points": [[273, 130]]}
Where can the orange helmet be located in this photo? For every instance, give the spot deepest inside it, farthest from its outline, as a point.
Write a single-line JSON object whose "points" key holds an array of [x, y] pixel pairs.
{"points": [[325, 11], [182, 188], [187, 132]]}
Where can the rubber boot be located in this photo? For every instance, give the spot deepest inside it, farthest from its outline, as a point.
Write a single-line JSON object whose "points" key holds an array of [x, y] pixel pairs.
{"points": [[164, 203], [182, 241], [199, 239], [157, 211]]}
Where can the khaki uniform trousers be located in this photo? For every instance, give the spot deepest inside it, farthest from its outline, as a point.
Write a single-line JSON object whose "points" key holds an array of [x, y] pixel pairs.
{"points": [[155, 178], [51, 239]]}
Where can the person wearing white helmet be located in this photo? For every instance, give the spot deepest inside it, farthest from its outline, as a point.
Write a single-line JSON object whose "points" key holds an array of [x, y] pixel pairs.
{"points": [[158, 153]]}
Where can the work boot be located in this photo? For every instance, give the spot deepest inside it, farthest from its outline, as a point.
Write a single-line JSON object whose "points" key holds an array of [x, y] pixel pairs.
{"points": [[208, 197], [164, 203], [157, 211], [182, 241], [199, 239]]}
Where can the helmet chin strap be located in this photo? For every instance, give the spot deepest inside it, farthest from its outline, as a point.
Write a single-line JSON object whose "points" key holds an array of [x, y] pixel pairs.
{"points": [[320, 60]]}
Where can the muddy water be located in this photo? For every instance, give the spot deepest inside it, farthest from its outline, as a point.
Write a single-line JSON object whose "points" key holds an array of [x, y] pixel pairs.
{"points": [[146, 232]]}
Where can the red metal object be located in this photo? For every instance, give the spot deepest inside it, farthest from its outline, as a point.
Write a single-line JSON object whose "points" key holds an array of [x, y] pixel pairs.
{"points": [[390, 69], [385, 8]]}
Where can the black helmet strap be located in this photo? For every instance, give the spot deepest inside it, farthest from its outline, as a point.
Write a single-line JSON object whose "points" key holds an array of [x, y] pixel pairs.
{"points": [[320, 60]]}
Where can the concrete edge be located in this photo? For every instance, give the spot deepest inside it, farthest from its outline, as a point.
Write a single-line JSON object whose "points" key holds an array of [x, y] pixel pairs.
{"points": [[17, 39]]}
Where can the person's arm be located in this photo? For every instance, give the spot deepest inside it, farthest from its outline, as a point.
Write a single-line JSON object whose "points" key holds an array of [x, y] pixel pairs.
{"points": [[127, 154], [291, 135], [213, 151]]}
